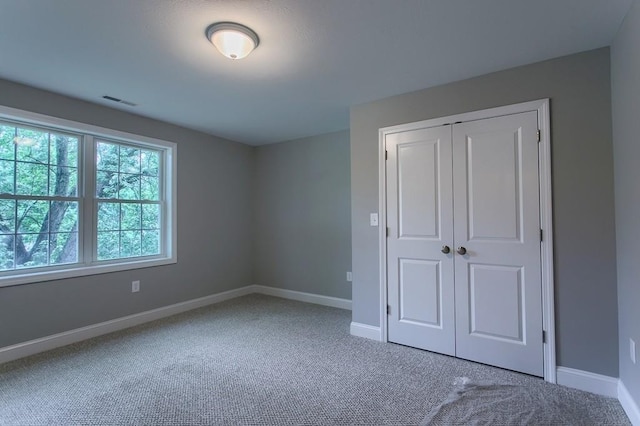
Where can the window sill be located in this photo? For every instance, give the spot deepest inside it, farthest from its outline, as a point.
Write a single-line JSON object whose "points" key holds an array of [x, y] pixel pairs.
{"points": [[81, 271]]}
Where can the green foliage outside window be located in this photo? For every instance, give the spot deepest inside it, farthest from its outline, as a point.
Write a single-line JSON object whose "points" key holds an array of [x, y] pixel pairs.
{"points": [[128, 190], [39, 198]]}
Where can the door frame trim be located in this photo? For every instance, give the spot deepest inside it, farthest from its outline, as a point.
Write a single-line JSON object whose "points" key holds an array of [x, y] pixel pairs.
{"points": [[541, 106]]}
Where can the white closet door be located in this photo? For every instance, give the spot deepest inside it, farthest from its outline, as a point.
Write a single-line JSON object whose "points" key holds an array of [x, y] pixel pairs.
{"points": [[496, 214], [419, 218]]}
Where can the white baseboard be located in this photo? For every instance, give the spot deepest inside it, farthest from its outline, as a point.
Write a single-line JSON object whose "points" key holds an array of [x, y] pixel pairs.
{"points": [[334, 302], [367, 331], [31, 347], [630, 406], [586, 381], [10, 353]]}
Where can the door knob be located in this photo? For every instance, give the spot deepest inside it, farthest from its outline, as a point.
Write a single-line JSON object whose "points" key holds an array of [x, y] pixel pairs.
{"points": [[462, 250], [446, 249]]}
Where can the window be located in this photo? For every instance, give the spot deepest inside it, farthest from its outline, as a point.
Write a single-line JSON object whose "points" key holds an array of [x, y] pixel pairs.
{"points": [[38, 197], [78, 199], [128, 193]]}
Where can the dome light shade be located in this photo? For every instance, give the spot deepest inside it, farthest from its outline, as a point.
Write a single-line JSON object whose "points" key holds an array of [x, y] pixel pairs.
{"points": [[233, 40]]}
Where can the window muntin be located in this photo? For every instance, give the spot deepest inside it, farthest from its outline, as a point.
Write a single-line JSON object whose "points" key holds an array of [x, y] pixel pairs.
{"points": [[154, 200], [38, 197]]}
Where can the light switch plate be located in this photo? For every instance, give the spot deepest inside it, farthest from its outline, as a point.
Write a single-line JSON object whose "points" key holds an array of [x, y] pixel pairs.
{"points": [[373, 219], [632, 350], [349, 276]]}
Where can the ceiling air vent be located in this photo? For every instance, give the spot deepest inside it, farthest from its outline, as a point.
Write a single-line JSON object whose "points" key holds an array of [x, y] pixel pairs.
{"points": [[120, 101]]}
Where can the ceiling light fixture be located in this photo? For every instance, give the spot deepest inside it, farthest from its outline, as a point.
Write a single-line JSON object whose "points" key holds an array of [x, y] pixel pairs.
{"points": [[233, 40]]}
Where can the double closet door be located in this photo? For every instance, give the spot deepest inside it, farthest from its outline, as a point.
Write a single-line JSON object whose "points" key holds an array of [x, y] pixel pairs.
{"points": [[463, 241]]}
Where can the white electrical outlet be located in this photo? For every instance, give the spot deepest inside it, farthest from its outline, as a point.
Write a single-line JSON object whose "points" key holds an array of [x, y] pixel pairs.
{"points": [[349, 276], [373, 219], [135, 286], [632, 350]]}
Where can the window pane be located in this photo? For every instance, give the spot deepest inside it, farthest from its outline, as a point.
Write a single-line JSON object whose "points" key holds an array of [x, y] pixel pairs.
{"points": [[42, 226], [107, 156], [31, 250], [32, 215], [6, 176], [41, 169], [131, 216], [6, 252], [129, 187], [138, 178], [130, 243], [107, 185], [32, 146], [32, 179], [150, 243], [7, 146], [150, 216], [150, 162], [129, 160], [108, 217], [7, 216], [63, 150], [108, 245], [63, 216], [150, 187], [63, 181], [64, 248]]}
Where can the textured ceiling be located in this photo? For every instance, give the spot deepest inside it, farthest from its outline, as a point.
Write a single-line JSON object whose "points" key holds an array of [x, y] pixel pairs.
{"points": [[316, 57]]}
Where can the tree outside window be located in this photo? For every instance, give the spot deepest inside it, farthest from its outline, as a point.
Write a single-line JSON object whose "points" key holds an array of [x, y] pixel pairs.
{"points": [[38, 197], [128, 193], [41, 202]]}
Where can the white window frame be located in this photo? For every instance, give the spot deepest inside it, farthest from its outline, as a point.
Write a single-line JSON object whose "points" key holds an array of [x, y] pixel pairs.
{"points": [[89, 265]]}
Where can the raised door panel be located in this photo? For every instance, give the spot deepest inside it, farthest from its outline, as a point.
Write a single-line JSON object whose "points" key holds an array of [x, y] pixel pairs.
{"points": [[420, 292], [493, 181], [494, 317], [418, 190]]}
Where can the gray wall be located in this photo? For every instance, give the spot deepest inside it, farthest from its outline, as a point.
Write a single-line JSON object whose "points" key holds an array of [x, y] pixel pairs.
{"points": [[582, 168], [302, 216], [625, 72], [214, 236]]}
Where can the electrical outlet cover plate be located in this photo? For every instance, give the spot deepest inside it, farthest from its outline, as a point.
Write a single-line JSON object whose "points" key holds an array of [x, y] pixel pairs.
{"points": [[135, 286]]}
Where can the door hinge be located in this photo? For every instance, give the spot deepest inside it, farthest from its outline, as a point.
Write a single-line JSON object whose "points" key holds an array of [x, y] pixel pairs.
{"points": [[386, 155], [541, 235], [544, 336], [387, 232], [539, 136], [388, 309]]}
